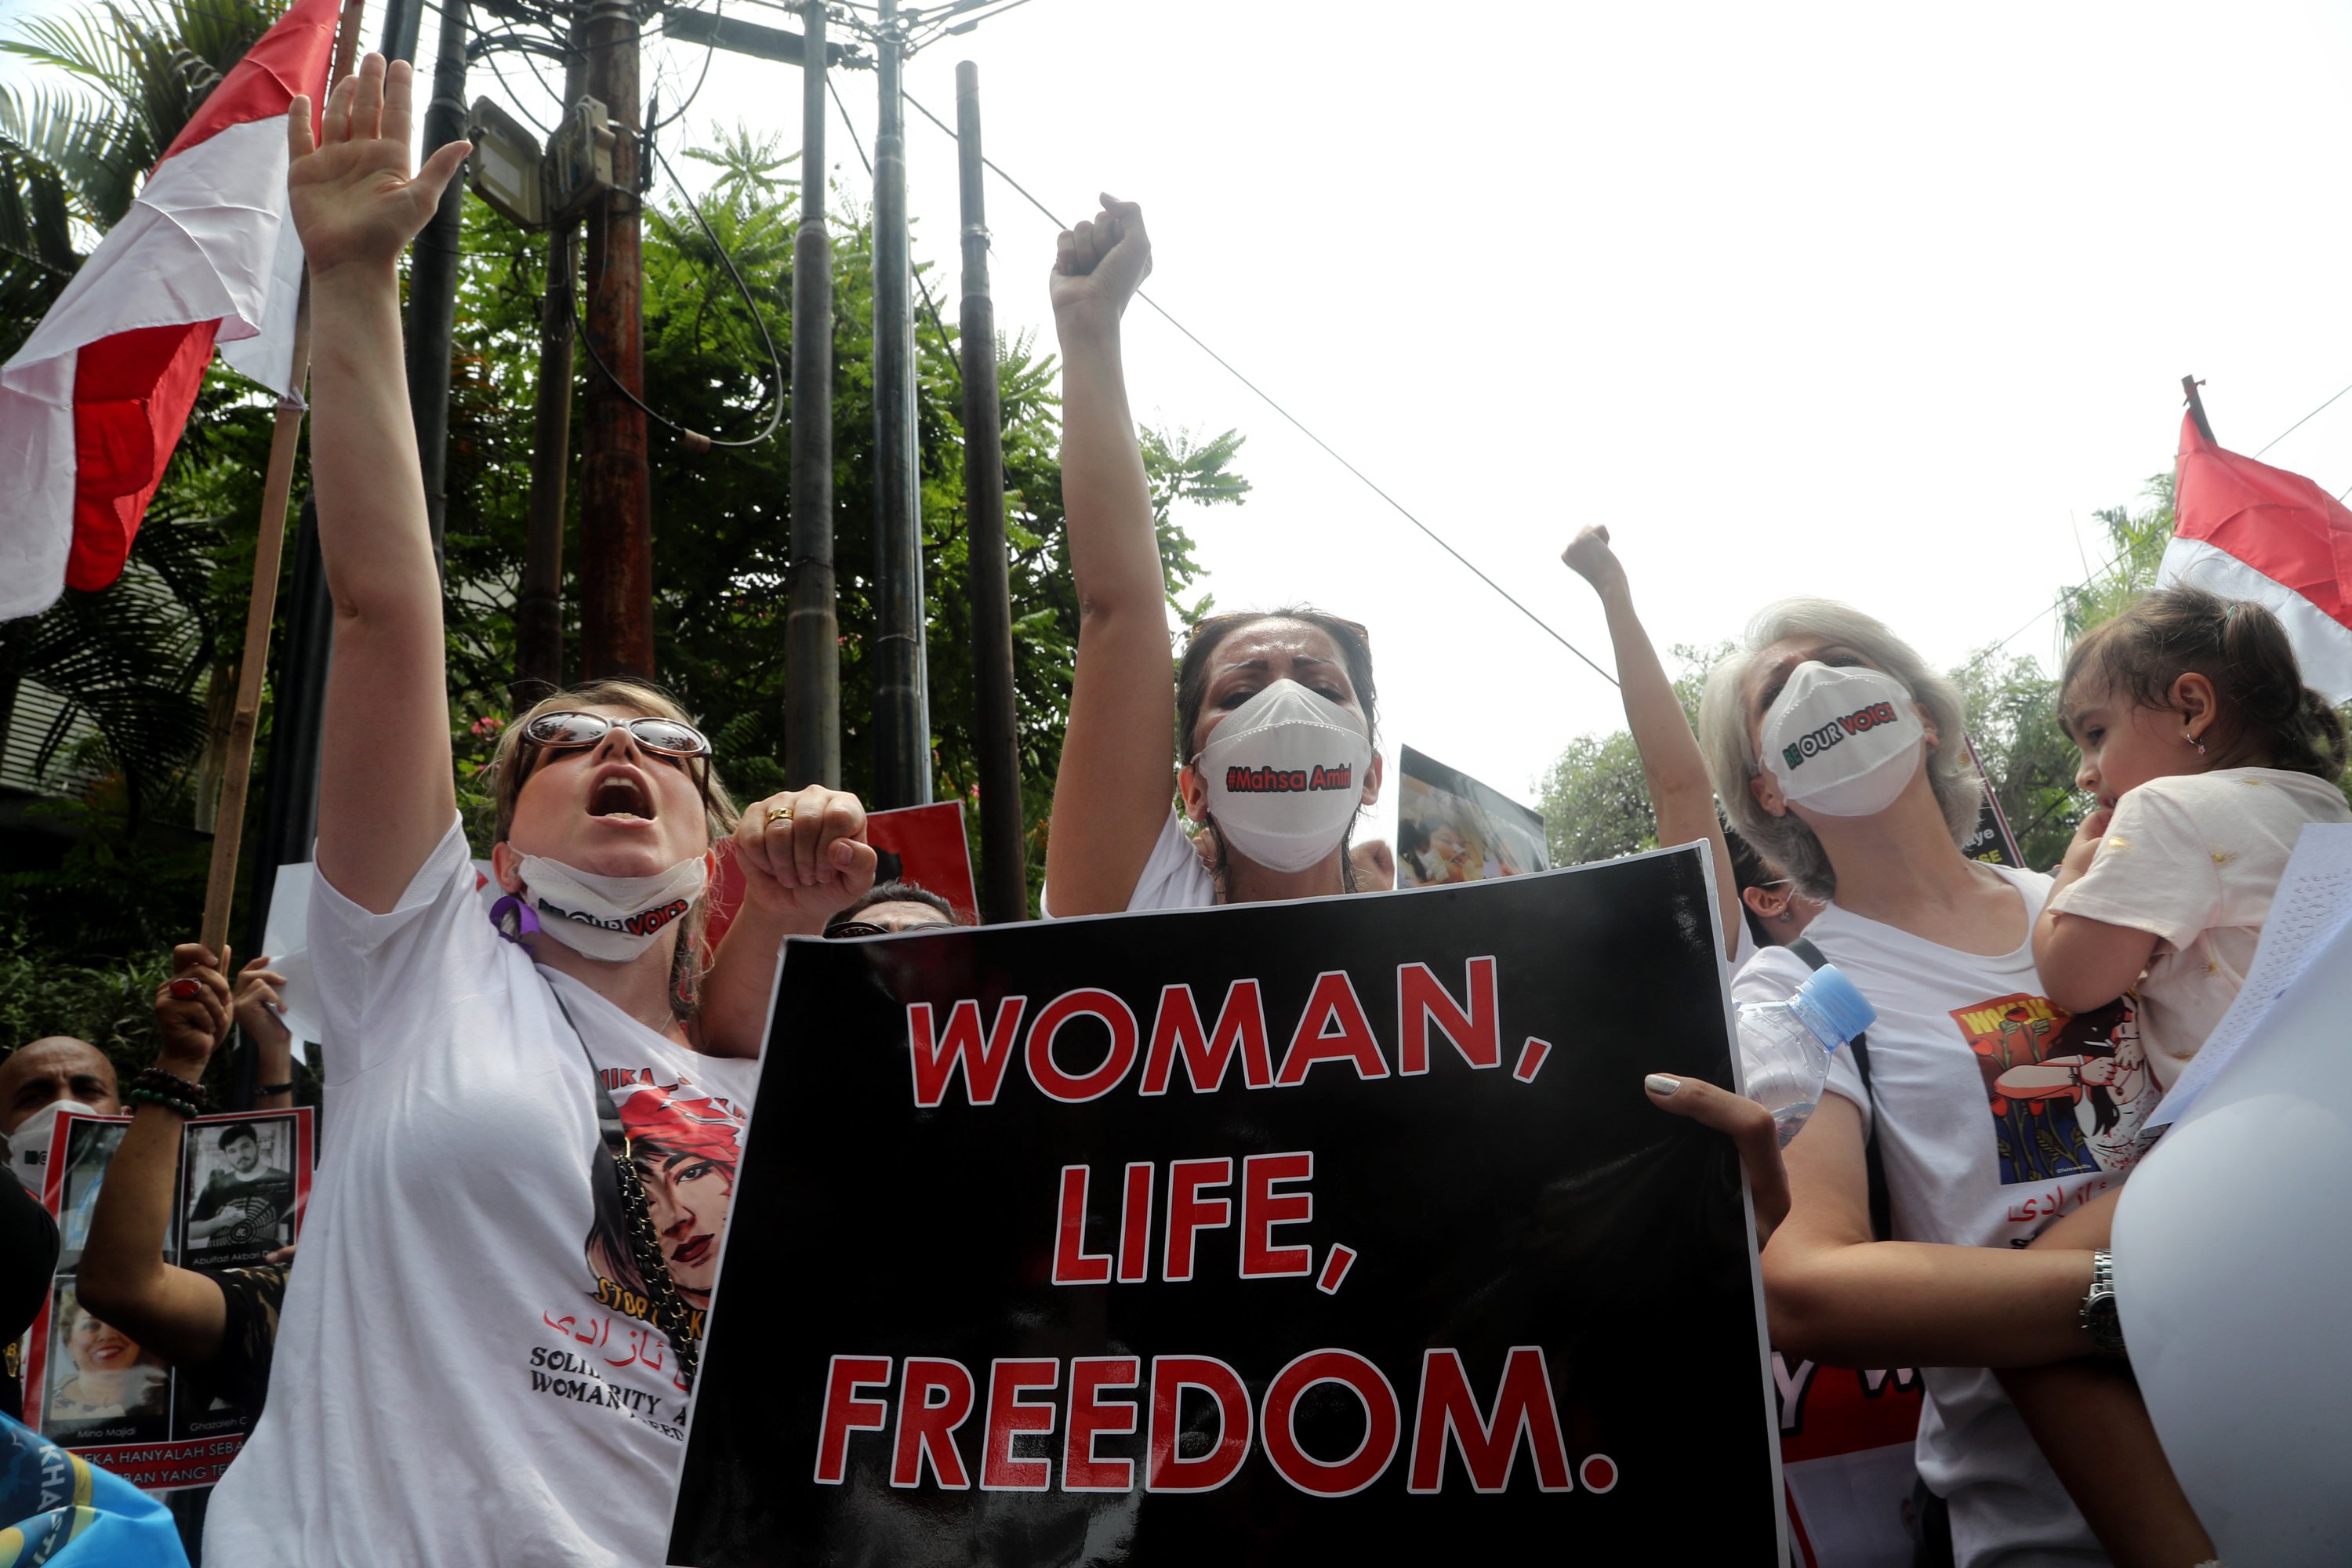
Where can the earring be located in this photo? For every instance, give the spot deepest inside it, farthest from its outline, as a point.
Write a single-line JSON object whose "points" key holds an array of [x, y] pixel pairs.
{"points": [[2193, 741]]}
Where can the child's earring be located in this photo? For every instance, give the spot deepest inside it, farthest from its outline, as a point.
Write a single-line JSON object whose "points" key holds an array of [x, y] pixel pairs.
{"points": [[2190, 736]]}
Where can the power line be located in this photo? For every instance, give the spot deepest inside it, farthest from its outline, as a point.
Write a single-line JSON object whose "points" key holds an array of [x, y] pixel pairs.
{"points": [[2298, 424], [1296, 423], [2117, 560]]}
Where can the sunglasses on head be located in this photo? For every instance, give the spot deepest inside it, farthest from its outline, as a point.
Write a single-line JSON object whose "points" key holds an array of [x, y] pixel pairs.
{"points": [[569, 731]]}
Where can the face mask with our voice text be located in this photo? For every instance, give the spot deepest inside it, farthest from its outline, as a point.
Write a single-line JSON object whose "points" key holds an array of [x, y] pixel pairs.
{"points": [[610, 918], [1285, 773], [1843, 741]]}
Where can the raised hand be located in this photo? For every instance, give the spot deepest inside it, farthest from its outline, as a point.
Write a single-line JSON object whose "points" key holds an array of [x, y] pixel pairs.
{"points": [[354, 199], [804, 856], [258, 1000], [1590, 557], [192, 1010], [1101, 263]]}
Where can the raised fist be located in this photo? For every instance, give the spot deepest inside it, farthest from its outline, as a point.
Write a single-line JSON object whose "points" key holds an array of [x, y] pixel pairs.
{"points": [[1100, 264]]}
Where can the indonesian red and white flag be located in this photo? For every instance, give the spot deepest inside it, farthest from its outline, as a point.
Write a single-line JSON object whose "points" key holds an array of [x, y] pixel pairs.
{"points": [[2247, 531], [92, 406]]}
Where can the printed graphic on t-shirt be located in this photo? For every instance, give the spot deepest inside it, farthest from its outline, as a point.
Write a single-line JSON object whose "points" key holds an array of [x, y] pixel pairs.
{"points": [[2068, 1093], [608, 1350]]}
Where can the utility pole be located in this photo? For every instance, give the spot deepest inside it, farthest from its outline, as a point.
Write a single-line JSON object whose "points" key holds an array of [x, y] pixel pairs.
{"points": [[812, 634], [538, 617], [433, 276], [1003, 853], [401, 18], [902, 727], [617, 551]]}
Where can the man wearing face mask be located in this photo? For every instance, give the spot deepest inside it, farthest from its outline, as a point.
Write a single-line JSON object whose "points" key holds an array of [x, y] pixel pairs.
{"points": [[37, 1081]]}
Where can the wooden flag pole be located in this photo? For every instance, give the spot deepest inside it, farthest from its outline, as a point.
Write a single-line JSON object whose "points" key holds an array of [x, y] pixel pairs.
{"points": [[268, 546]]}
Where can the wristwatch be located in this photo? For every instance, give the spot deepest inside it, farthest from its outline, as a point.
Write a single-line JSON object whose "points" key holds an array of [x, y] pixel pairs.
{"points": [[2098, 1314]]}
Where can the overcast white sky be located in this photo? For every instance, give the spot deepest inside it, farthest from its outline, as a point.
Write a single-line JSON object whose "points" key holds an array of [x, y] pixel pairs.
{"points": [[1875, 301]]}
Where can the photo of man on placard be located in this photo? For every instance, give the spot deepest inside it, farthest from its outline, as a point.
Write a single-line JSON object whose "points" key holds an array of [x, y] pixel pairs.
{"points": [[241, 1188]]}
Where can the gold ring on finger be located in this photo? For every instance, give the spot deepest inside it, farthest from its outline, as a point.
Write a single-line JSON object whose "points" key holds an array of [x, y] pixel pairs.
{"points": [[779, 814]]}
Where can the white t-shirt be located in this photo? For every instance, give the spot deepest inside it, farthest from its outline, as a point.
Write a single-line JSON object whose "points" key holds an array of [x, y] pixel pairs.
{"points": [[450, 1390], [1173, 877], [2194, 860], [1972, 1162]]}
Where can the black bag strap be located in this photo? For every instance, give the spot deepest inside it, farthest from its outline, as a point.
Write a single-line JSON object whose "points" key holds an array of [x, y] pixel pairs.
{"points": [[669, 1309], [1881, 1206]]}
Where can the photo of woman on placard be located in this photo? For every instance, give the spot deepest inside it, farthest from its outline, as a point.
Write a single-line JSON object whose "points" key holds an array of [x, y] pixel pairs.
{"points": [[104, 1387]]}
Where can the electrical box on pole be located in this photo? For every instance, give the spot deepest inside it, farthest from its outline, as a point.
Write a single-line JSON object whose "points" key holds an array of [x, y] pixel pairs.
{"points": [[579, 161], [508, 168]]}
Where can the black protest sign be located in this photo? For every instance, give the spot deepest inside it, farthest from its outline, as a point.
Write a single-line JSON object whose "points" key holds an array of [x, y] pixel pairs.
{"points": [[1338, 1230], [1990, 840]]}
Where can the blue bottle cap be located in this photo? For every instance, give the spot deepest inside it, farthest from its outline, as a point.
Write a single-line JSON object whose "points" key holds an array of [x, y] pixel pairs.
{"points": [[1835, 997]]}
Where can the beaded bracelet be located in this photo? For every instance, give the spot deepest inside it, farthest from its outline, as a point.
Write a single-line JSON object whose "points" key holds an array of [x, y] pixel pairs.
{"points": [[172, 1085], [168, 1102]]}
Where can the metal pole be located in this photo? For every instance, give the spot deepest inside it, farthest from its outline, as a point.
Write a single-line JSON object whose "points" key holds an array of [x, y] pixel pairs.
{"points": [[538, 617], [902, 728], [433, 276], [402, 19], [813, 635], [616, 547], [1003, 852]]}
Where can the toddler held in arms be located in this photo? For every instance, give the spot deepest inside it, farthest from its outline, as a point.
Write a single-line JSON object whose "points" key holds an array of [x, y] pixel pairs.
{"points": [[2206, 756]]}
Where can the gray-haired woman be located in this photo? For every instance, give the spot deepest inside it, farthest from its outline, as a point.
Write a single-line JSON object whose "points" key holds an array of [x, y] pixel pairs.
{"points": [[1838, 754]]}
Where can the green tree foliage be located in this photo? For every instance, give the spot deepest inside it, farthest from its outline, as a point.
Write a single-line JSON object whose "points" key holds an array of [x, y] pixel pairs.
{"points": [[1594, 802], [720, 516]]}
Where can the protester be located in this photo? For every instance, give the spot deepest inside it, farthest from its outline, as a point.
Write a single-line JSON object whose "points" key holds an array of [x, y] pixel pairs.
{"points": [[1260, 699], [894, 905], [1838, 755], [1777, 913], [219, 1328], [51, 1074], [1681, 797], [39, 1079], [458, 1378]]}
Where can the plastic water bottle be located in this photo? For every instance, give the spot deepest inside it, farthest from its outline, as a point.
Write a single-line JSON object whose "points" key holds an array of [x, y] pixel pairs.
{"points": [[1785, 1046]]}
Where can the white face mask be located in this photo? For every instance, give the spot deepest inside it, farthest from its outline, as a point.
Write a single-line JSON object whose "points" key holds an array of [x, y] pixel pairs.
{"points": [[28, 1146], [610, 918], [1842, 741], [1285, 773]]}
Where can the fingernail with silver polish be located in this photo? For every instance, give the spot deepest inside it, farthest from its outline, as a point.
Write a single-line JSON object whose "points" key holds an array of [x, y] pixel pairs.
{"points": [[1659, 1084]]}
